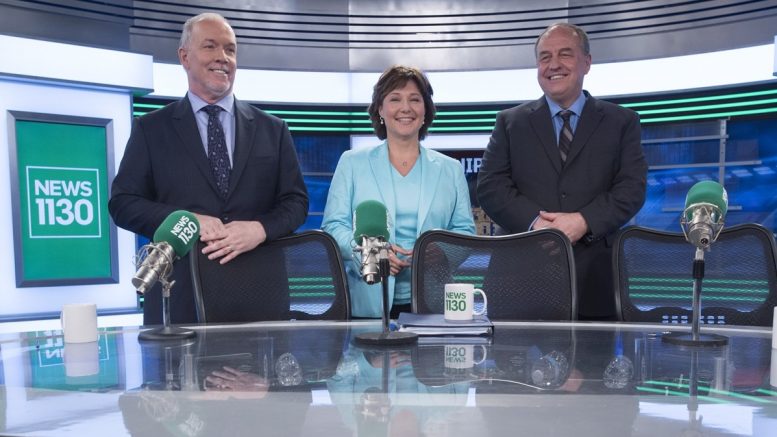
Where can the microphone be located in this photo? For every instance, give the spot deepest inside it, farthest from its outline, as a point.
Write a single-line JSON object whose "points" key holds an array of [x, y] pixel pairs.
{"points": [[370, 221], [174, 238], [705, 210], [371, 235]]}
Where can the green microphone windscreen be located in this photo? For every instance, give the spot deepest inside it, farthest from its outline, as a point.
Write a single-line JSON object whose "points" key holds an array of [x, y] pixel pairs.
{"points": [[370, 220], [707, 192], [181, 230]]}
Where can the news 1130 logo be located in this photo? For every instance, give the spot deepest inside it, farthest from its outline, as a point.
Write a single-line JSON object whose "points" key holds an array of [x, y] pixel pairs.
{"points": [[63, 202]]}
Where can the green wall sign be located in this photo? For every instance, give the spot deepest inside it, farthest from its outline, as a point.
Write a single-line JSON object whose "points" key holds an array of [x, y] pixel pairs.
{"points": [[60, 176]]}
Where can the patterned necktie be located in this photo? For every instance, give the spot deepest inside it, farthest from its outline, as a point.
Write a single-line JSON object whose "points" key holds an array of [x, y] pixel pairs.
{"points": [[565, 138], [217, 150]]}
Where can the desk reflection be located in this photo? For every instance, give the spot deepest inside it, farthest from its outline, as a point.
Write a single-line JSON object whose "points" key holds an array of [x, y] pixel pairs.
{"points": [[378, 393], [249, 382], [310, 379]]}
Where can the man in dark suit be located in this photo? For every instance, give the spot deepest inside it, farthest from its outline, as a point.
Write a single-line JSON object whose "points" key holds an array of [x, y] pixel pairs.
{"points": [[585, 176], [229, 163]]}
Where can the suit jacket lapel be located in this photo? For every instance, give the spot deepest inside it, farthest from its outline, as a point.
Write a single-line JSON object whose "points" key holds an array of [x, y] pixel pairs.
{"points": [[589, 121], [186, 127], [245, 131], [381, 172], [540, 120], [430, 176]]}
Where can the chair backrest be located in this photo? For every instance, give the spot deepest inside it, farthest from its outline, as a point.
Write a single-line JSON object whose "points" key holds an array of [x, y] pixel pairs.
{"points": [[300, 276], [527, 276], [653, 276]]}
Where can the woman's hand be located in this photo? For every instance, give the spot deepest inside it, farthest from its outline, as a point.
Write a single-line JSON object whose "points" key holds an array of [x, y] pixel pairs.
{"points": [[397, 263]]}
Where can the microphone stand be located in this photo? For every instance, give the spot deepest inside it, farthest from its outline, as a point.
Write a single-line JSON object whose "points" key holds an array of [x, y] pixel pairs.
{"points": [[385, 270], [696, 338], [694, 422], [386, 337], [374, 409], [166, 332]]}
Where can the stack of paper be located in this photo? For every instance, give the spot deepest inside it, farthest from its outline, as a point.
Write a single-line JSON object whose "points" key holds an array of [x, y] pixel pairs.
{"points": [[435, 324]]}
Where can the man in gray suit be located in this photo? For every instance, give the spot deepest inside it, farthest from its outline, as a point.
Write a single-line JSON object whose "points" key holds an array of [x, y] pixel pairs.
{"points": [[567, 161], [229, 163]]}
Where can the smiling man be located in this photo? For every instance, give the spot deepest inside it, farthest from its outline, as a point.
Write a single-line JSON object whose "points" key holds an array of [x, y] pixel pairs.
{"points": [[567, 161], [229, 163]]}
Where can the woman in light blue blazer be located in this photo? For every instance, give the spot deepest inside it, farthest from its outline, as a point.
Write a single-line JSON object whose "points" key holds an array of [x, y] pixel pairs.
{"points": [[421, 188]]}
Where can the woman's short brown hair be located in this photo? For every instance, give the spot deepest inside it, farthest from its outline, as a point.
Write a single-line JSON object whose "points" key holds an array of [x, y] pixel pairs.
{"points": [[397, 77]]}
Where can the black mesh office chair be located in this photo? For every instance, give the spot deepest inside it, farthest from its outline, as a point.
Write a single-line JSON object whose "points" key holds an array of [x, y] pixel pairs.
{"points": [[527, 276], [653, 279], [296, 277]]}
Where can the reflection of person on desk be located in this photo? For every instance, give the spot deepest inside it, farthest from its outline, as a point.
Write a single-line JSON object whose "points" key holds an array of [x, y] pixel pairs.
{"points": [[232, 380], [409, 407]]}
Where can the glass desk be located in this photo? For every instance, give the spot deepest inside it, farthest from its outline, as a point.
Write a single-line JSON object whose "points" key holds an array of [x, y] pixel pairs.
{"points": [[309, 379]]}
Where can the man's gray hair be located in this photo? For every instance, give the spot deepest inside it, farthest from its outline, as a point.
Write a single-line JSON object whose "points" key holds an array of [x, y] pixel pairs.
{"points": [[573, 29], [186, 35]]}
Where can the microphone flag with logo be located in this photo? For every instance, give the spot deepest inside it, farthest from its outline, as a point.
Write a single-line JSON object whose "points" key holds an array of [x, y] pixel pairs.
{"points": [[173, 239]]}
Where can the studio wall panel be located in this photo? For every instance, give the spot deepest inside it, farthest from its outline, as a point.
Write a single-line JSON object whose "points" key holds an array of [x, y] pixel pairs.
{"points": [[368, 35]]}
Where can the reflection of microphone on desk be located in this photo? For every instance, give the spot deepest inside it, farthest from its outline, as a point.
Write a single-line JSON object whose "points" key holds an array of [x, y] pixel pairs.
{"points": [[374, 408], [166, 372], [694, 423], [373, 413]]}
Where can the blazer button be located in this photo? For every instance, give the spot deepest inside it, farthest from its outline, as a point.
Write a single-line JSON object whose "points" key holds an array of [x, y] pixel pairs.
{"points": [[563, 195], [225, 219]]}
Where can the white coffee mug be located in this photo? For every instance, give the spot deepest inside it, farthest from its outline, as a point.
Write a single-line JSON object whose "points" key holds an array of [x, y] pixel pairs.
{"points": [[460, 301], [82, 359], [462, 356], [79, 322]]}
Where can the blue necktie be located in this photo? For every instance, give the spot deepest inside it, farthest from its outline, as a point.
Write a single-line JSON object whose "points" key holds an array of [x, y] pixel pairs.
{"points": [[565, 137], [217, 150]]}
